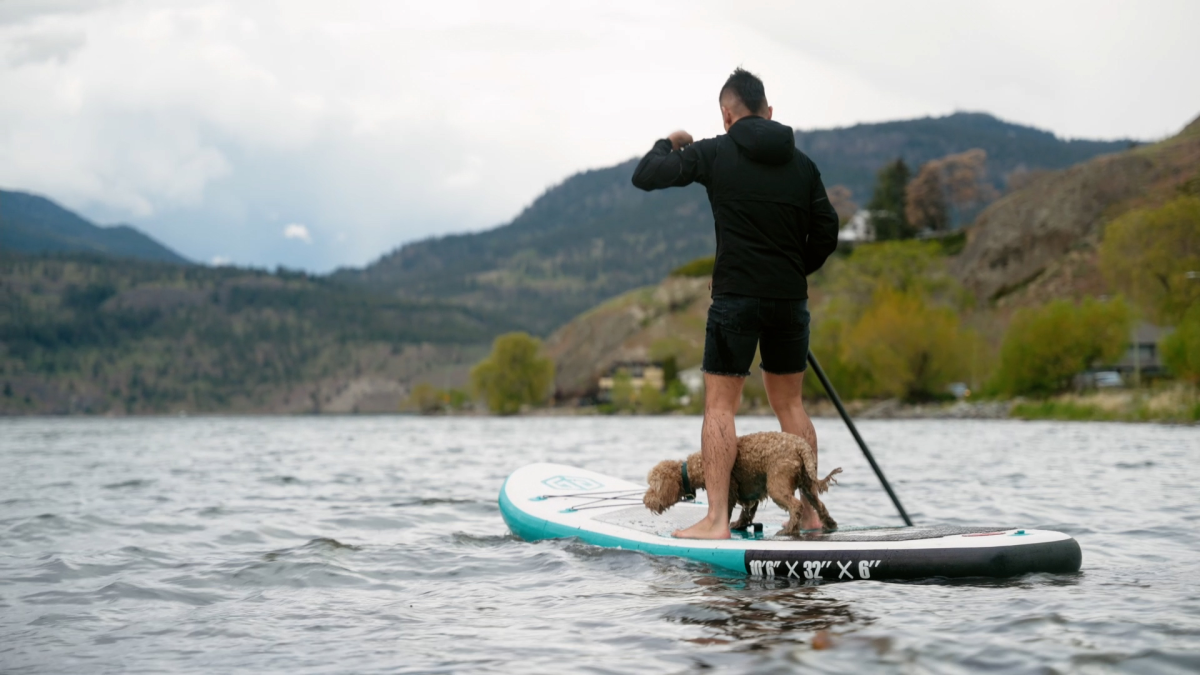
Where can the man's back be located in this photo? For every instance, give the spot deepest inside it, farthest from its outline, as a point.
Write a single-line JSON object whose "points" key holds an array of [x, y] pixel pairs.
{"points": [[774, 222], [775, 226]]}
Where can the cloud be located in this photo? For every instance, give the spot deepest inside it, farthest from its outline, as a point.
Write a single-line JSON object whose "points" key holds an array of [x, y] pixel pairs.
{"points": [[297, 231], [220, 261], [47, 47], [196, 120]]}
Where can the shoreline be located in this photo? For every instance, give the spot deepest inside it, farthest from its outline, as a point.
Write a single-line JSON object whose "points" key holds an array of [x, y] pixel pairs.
{"points": [[1171, 406]]}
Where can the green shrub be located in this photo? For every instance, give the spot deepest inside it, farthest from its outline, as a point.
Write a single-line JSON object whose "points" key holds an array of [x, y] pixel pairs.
{"points": [[1061, 410], [700, 267], [1045, 347], [1181, 349], [652, 401], [622, 393], [514, 374], [1152, 255]]}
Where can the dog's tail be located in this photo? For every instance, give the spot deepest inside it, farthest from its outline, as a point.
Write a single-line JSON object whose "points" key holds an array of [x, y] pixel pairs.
{"points": [[824, 483]]}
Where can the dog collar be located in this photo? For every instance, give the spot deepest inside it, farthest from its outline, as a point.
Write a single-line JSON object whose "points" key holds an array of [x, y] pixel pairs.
{"points": [[688, 493]]}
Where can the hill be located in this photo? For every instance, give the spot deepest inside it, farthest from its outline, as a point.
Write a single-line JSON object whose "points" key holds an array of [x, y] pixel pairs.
{"points": [[851, 156], [33, 224], [595, 236], [1040, 242], [93, 334], [1036, 244]]}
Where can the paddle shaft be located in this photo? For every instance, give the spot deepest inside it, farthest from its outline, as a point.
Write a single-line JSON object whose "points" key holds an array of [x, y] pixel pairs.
{"points": [[837, 402]]}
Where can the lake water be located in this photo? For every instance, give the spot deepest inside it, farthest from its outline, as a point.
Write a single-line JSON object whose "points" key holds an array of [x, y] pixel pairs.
{"points": [[364, 545]]}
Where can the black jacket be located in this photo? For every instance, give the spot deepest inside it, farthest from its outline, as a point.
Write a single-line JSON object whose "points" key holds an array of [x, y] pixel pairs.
{"points": [[774, 222]]}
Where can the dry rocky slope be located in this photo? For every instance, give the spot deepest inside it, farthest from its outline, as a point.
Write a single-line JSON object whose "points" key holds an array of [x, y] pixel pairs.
{"points": [[1040, 242], [627, 328]]}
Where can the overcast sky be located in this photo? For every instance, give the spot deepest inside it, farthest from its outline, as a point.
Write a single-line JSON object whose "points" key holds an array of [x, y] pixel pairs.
{"points": [[316, 134]]}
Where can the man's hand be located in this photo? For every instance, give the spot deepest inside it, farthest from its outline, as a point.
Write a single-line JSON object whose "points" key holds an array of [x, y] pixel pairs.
{"points": [[680, 139]]}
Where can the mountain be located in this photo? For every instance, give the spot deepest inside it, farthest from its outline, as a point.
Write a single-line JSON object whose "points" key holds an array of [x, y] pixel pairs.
{"points": [[85, 333], [1040, 242], [595, 236], [590, 238], [33, 224], [851, 156]]}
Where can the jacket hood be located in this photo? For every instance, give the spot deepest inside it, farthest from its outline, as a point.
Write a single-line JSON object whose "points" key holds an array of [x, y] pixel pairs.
{"points": [[763, 140]]}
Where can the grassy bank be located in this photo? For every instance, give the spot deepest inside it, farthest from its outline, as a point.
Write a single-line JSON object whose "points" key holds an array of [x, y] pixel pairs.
{"points": [[1177, 403]]}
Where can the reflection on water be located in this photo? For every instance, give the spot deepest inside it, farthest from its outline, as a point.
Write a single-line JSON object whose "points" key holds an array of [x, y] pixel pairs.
{"points": [[753, 614], [376, 545]]}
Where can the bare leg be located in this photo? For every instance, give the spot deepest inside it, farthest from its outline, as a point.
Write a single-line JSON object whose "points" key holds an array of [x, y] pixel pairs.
{"points": [[784, 393], [718, 448]]}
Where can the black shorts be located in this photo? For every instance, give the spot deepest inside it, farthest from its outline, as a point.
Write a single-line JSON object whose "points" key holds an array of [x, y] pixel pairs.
{"points": [[737, 324]]}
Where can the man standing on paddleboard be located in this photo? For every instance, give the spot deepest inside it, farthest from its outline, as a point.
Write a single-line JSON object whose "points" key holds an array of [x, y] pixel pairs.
{"points": [[775, 226]]}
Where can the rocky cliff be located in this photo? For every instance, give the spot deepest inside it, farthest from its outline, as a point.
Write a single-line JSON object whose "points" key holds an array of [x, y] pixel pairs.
{"points": [[1040, 241]]}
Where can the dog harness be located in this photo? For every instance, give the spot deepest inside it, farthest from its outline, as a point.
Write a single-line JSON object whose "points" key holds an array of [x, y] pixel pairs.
{"points": [[688, 493]]}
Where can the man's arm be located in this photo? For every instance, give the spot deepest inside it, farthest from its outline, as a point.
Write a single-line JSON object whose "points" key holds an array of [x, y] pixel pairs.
{"points": [[823, 235], [666, 165]]}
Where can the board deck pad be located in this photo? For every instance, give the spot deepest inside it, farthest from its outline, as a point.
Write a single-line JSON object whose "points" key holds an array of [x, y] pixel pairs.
{"points": [[554, 501], [682, 515]]}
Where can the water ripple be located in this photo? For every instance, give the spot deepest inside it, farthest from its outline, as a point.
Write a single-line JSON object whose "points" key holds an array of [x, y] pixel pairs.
{"points": [[375, 545]]}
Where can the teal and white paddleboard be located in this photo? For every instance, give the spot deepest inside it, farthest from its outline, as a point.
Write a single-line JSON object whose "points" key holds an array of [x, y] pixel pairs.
{"points": [[553, 501]]}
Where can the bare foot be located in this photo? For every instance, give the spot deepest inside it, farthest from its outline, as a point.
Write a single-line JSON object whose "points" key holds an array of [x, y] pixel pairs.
{"points": [[809, 520], [705, 529]]}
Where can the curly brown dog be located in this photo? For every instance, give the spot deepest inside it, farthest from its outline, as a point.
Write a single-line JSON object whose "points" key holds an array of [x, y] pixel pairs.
{"points": [[769, 464]]}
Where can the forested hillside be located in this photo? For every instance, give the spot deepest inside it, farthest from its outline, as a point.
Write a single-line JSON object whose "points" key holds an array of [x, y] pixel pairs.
{"points": [[851, 156], [92, 334], [33, 224], [595, 235]]}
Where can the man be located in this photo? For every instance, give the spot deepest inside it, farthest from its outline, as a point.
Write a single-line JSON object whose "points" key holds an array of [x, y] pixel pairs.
{"points": [[775, 225]]}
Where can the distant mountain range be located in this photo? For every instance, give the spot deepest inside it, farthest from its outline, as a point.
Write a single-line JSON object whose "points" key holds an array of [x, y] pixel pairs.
{"points": [[851, 156], [33, 224], [595, 235], [83, 331]]}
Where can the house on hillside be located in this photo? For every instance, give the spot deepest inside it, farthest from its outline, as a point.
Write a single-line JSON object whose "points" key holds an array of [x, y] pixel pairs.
{"points": [[1143, 354], [641, 373], [858, 228], [1141, 360]]}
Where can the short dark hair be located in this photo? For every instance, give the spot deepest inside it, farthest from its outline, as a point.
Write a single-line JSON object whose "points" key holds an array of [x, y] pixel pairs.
{"points": [[747, 87]]}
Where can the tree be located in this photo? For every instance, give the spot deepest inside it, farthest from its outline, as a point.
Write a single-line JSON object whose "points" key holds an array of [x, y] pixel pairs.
{"points": [[947, 191], [909, 348], [1045, 347], [623, 395], [842, 199], [514, 374], [425, 398], [964, 177], [894, 273], [1153, 256], [652, 401], [926, 199], [887, 205], [1181, 349]]}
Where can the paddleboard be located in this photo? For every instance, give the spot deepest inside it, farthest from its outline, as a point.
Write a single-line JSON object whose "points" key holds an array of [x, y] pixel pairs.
{"points": [[554, 501]]}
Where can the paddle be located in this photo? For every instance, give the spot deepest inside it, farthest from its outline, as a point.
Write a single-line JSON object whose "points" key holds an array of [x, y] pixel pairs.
{"points": [[812, 360]]}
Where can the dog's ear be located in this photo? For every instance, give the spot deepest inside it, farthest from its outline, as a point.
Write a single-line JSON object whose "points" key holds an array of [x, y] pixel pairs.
{"points": [[666, 485]]}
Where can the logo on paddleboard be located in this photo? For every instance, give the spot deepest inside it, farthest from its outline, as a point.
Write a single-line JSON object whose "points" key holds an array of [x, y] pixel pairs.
{"points": [[572, 483]]}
